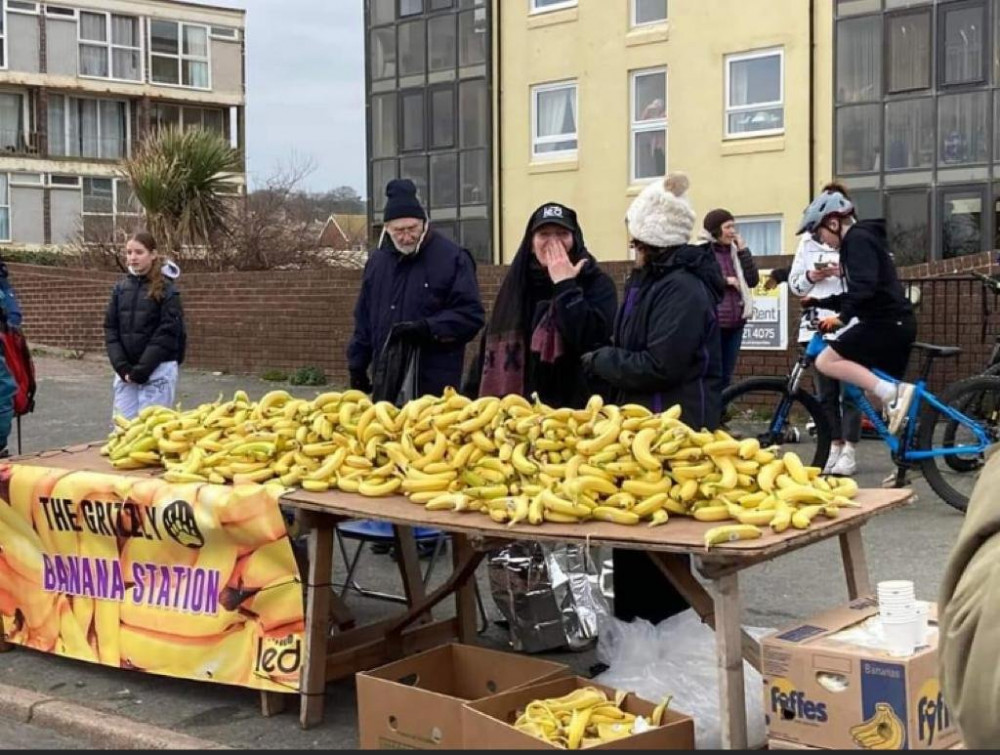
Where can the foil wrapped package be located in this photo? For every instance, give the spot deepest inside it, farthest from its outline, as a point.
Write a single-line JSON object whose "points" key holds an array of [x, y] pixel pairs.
{"points": [[548, 594]]}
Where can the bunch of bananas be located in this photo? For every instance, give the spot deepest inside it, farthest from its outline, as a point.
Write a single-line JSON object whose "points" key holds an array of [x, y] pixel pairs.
{"points": [[584, 718], [512, 459], [883, 731]]}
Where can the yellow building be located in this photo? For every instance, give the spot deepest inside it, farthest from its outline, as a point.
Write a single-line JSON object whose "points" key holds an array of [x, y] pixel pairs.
{"points": [[594, 98]]}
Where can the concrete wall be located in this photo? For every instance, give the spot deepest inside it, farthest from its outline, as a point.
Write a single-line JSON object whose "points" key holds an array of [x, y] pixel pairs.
{"points": [[67, 204], [27, 215], [23, 42], [61, 47], [594, 44], [227, 67]]}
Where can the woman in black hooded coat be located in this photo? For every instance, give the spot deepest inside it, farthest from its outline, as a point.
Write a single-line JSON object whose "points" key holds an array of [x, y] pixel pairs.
{"points": [[554, 305]]}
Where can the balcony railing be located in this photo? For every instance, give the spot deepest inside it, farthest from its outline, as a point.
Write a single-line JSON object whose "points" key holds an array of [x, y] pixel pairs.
{"points": [[18, 142]]}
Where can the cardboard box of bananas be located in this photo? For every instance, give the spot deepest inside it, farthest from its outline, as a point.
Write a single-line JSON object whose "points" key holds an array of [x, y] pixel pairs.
{"points": [[574, 714], [514, 460]]}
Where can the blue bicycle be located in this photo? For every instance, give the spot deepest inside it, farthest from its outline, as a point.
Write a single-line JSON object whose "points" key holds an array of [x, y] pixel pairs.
{"points": [[938, 436]]}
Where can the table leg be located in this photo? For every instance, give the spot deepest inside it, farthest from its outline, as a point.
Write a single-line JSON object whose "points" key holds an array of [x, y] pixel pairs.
{"points": [[272, 703], [318, 592], [409, 567], [728, 636], [465, 595], [852, 550]]}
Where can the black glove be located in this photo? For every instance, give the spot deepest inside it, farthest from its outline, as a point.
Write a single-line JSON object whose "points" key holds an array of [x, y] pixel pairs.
{"points": [[139, 375], [360, 381], [417, 332]]}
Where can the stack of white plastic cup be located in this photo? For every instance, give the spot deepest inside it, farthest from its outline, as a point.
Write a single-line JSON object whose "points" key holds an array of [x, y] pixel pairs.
{"points": [[903, 618]]}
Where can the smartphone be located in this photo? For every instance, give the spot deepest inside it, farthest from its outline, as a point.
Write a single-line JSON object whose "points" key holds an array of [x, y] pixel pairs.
{"points": [[822, 265]]}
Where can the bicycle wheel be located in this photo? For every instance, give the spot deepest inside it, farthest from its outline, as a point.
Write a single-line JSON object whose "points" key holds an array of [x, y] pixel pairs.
{"points": [[762, 408], [954, 482]]}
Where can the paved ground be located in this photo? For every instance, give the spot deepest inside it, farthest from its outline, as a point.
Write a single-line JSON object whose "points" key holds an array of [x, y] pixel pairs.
{"points": [[18, 736], [74, 405]]}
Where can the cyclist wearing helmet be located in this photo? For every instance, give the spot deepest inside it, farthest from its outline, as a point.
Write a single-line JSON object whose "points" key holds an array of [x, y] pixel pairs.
{"points": [[885, 329]]}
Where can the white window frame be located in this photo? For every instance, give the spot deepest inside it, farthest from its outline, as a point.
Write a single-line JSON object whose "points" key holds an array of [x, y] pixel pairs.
{"points": [[731, 109], [61, 11], [222, 33], [4, 52], [641, 127], [751, 219], [567, 154], [27, 179], [25, 113], [634, 16], [110, 46], [115, 214], [535, 9], [65, 128], [52, 184], [10, 214], [32, 11], [180, 57]]}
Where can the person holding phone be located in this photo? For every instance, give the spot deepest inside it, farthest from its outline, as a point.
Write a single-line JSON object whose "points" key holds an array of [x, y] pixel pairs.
{"points": [[816, 273]]}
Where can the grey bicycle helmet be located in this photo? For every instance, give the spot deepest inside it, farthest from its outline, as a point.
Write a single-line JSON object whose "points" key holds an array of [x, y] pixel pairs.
{"points": [[826, 204]]}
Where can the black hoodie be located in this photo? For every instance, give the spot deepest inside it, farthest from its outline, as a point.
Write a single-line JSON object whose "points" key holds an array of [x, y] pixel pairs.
{"points": [[873, 289], [666, 339]]}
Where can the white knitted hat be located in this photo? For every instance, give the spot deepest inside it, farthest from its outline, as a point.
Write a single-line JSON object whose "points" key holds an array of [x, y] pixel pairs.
{"points": [[661, 215]]}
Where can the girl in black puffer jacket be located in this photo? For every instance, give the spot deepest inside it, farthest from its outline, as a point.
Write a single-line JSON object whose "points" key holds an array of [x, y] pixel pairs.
{"points": [[144, 330]]}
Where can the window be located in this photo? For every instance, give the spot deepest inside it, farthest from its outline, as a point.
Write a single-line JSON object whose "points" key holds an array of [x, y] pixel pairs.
{"points": [[762, 235], [648, 12], [962, 216], [908, 224], [475, 177], [410, 8], [64, 181], [108, 207], [963, 128], [859, 59], [909, 134], [3, 38], [59, 11], [868, 204], [442, 117], [412, 126], [110, 46], [384, 126], [88, 128], [382, 11], [472, 37], [225, 33], [859, 131], [383, 50], [755, 94], [476, 238], [554, 109], [853, 7], [4, 208], [441, 4], [962, 35], [444, 180], [179, 54], [415, 168], [542, 6], [473, 109], [22, 6], [909, 53], [383, 171], [163, 115], [412, 44], [441, 43], [11, 121], [649, 124]]}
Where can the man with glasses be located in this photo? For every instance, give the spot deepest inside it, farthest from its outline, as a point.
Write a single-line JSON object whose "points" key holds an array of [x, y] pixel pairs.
{"points": [[420, 288]]}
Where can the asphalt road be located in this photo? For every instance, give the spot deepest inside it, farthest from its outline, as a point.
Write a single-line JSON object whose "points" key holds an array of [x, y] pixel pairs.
{"points": [[74, 406], [18, 736]]}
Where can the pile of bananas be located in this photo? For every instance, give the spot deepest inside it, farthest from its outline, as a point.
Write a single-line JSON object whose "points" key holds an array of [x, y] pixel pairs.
{"points": [[883, 731], [512, 459], [584, 718]]}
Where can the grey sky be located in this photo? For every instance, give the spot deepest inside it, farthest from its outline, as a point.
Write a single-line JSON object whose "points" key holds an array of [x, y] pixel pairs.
{"points": [[305, 88]]}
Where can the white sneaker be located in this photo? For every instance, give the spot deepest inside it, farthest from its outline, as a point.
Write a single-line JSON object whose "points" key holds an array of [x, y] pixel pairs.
{"points": [[832, 459], [846, 464], [895, 411]]}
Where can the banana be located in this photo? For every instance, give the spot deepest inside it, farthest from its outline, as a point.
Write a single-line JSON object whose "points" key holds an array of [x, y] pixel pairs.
{"points": [[641, 449], [379, 488], [802, 518], [768, 474], [659, 518], [796, 470], [748, 449], [608, 514], [712, 514], [731, 533], [644, 489], [649, 506]]}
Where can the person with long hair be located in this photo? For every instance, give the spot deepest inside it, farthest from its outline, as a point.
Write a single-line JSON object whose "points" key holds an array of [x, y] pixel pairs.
{"points": [[144, 330]]}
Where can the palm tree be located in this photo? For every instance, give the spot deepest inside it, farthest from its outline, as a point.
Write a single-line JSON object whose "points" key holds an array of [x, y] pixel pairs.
{"points": [[180, 178]]}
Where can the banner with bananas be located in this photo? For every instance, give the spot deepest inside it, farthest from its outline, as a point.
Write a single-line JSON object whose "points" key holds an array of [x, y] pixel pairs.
{"points": [[194, 581]]}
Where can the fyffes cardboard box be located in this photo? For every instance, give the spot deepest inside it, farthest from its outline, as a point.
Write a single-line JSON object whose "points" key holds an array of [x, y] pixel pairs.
{"points": [[827, 684]]}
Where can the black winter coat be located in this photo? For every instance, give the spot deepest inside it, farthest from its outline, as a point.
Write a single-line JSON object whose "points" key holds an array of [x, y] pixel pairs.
{"points": [[438, 285], [666, 338], [141, 333]]}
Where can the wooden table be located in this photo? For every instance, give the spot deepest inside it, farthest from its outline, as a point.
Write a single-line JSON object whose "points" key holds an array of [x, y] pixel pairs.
{"points": [[677, 548]]}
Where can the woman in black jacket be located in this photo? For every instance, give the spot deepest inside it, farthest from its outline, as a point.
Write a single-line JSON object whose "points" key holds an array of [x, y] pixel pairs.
{"points": [[554, 305], [144, 330], [665, 351]]}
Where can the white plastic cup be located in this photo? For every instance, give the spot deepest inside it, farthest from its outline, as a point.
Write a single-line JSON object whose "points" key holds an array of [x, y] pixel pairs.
{"points": [[922, 610], [895, 584], [900, 634]]}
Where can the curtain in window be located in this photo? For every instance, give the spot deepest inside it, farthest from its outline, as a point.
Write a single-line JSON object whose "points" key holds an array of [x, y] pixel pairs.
{"points": [[4, 208], [195, 74], [196, 41], [93, 60], [755, 81], [57, 125], [93, 27], [761, 236], [909, 134], [88, 129], [112, 129], [859, 60], [10, 120], [125, 63], [963, 45], [909, 52], [125, 31], [963, 128], [557, 117]]}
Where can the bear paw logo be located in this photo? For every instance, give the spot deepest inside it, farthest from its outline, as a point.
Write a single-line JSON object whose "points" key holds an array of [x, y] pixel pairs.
{"points": [[179, 521], [883, 731]]}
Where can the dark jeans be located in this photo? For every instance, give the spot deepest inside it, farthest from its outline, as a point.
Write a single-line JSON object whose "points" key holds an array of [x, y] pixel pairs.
{"points": [[844, 417], [732, 340], [641, 589]]}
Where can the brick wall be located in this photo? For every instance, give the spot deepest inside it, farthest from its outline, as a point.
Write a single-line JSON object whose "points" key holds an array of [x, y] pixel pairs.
{"points": [[251, 322]]}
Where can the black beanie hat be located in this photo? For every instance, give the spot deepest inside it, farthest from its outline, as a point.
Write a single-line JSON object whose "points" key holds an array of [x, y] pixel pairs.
{"points": [[715, 220], [402, 201]]}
